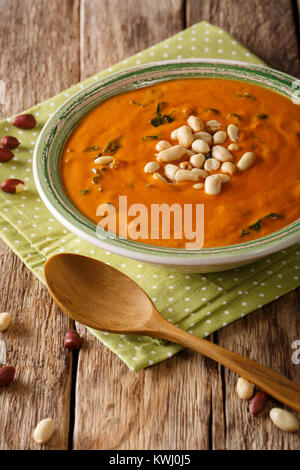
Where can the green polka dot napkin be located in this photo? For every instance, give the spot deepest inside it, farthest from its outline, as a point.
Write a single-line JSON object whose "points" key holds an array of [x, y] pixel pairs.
{"points": [[198, 303]]}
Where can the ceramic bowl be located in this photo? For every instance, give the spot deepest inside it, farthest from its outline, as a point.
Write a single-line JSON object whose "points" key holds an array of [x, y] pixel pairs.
{"points": [[59, 127]]}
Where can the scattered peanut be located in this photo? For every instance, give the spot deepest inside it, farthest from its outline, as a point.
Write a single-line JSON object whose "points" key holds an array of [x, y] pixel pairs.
{"points": [[44, 431], [104, 160], [5, 320], [162, 145], [211, 164], [213, 125], [72, 340], [24, 121], [171, 154], [151, 167], [198, 186], [195, 123], [190, 175], [200, 146], [185, 165], [244, 389], [189, 153], [171, 170], [213, 184], [174, 134], [7, 374], [221, 153], [284, 420], [223, 178], [246, 161], [233, 132], [5, 155], [203, 136], [185, 136], [229, 167], [9, 142], [233, 147], [219, 137], [197, 160], [12, 186], [158, 176], [258, 403]]}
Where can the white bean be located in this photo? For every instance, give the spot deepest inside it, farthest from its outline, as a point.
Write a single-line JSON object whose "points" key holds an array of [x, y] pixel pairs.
{"points": [[162, 145], [284, 420], [213, 184], [197, 160], [5, 320], [229, 167], [151, 167], [244, 389], [171, 154], [203, 136], [211, 164], [185, 136], [219, 137], [198, 186], [104, 160], [190, 175], [213, 125], [221, 153], [195, 123], [233, 147], [200, 146], [170, 171], [246, 161], [44, 430], [158, 176], [233, 132]]}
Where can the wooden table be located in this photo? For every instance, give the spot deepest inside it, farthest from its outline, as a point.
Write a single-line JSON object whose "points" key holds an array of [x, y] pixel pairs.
{"points": [[187, 402]]}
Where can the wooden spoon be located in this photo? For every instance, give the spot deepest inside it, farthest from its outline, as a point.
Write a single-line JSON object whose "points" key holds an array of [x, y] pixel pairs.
{"points": [[103, 298]]}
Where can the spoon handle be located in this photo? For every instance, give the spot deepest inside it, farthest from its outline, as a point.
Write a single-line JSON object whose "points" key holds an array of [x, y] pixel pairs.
{"points": [[276, 385]]}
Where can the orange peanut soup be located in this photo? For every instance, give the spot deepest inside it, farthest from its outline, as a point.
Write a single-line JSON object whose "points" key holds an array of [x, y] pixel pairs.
{"points": [[252, 204]]}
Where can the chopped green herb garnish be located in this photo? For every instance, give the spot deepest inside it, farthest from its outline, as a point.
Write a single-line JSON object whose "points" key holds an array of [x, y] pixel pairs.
{"points": [[237, 116], [112, 146], [150, 137], [159, 118], [262, 116], [256, 226], [273, 215], [159, 107], [93, 147], [244, 232], [213, 110], [84, 192], [138, 104]]}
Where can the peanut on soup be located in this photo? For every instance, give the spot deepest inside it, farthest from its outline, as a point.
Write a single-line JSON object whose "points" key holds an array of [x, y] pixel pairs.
{"points": [[229, 145]]}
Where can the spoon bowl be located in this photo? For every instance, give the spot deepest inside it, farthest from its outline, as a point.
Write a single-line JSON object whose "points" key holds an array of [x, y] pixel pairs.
{"points": [[101, 297]]}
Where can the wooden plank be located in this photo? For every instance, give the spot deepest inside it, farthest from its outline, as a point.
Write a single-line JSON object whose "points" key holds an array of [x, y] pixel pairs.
{"points": [[32, 33], [167, 406], [130, 26], [266, 335], [266, 27]]}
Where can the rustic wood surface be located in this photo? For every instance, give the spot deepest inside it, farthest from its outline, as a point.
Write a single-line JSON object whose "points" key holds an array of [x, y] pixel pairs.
{"points": [[187, 402]]}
